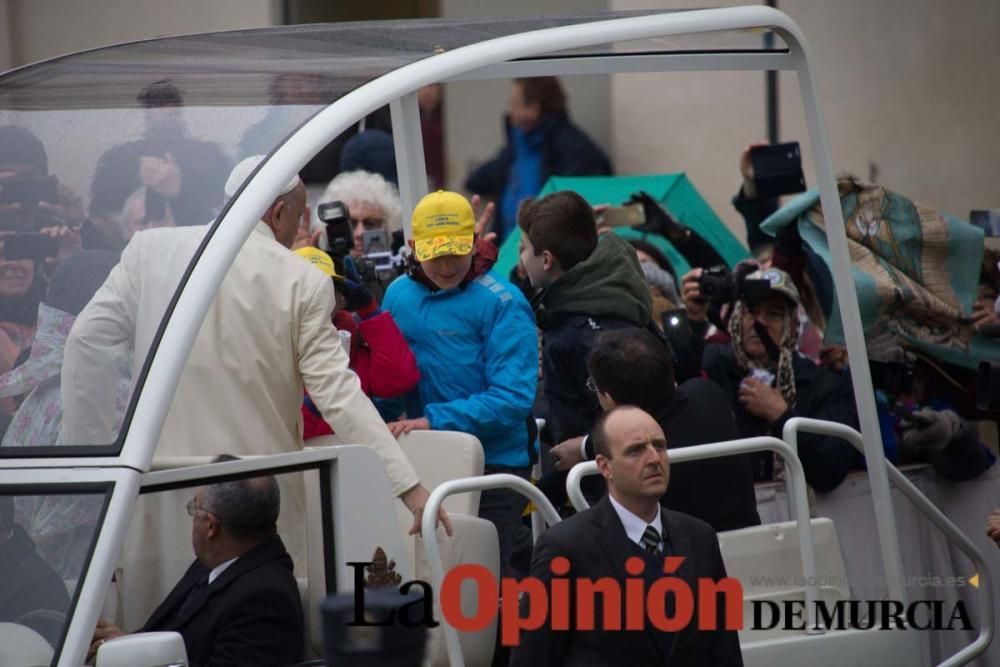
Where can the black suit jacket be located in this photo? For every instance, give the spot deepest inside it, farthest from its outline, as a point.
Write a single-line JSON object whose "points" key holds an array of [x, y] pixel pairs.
{"points": [[596, 545], [250, 615]]}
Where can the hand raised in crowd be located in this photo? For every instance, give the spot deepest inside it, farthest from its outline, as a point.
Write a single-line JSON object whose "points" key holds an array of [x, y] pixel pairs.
{"points": [[599, 210], [658, 221], [404, 426], [694, 303], [304, 238], [983, 314], [762, 400], [567, 453], [356, 295], [66, 208], [67, 239], [161, 174], [104, 631], [834, 357], [416, 500], [484, 218], [993, 526], [746, 170]]}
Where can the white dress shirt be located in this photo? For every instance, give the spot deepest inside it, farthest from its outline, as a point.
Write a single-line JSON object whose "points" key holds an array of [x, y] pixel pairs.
{"points": [[634, 525], [219, 569]]}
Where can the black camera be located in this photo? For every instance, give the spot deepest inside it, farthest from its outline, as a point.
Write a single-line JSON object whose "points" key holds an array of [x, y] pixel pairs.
{"points": [[32, 246], [339, 235], [719, 285]]}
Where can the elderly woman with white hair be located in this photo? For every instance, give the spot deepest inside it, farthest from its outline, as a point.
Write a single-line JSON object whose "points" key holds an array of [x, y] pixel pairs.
{"points": [[372, 200]]}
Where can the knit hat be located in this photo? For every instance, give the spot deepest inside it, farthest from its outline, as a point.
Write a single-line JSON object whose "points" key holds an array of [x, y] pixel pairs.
{"points": [[19, 146], [660, 279], [373, 151]]}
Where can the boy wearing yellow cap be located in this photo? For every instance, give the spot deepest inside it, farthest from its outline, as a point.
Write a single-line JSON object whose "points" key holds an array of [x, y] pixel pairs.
{"points": [[475, 341]]}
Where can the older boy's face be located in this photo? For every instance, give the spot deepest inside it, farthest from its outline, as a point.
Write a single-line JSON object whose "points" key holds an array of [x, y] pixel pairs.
{"points": [[447, 271], [533, 264]]}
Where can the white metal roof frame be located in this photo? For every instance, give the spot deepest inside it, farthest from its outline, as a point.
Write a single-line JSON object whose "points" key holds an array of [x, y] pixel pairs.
{"points": [[492, 59]]}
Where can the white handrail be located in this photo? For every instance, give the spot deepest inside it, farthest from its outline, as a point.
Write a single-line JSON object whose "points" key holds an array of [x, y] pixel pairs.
{"points": [[428, 521], [796, 424], [885, 519], [796, 480]]}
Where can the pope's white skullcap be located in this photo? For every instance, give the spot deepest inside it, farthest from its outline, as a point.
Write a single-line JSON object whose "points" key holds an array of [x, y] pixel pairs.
{"points": [[242, 171]]}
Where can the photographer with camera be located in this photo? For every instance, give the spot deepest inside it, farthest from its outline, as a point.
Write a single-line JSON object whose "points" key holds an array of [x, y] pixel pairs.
{"points": [[373, 205], [763, 375], [379, 354]]}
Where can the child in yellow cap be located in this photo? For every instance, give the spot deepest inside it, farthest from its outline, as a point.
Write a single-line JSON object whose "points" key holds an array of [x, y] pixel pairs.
{"points": [[476, 346]]}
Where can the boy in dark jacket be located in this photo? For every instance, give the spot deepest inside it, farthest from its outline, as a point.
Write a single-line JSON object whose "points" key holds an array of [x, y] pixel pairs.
{"points": [[588, 286]]}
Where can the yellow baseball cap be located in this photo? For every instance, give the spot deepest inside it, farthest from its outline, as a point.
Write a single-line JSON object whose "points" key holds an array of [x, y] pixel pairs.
{"points": [[443, 224], [319, 259]]}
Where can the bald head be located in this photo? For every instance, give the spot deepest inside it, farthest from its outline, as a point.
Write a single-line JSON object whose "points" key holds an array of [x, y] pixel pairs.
{"points": [[247, 509], [631, 453]]}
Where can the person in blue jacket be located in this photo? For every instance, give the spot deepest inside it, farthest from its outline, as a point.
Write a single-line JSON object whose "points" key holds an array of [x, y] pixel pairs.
{"points": [[542, 142], [474, 338]]}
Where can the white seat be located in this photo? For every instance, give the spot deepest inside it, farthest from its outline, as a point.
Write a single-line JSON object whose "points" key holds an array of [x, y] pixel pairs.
{"points": [[766, 558], [20, 646], [437, 456], [474, 540]]}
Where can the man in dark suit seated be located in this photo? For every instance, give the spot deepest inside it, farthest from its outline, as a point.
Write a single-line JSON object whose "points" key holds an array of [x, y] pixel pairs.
{"points": [[629, 522], [238, 603]]}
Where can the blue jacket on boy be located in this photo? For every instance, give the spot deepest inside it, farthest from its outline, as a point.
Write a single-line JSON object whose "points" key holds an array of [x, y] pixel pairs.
{"points": [[477, 349]]}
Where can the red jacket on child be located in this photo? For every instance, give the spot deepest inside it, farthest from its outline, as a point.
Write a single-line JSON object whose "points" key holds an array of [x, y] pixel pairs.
{"points": [[380, 356]]}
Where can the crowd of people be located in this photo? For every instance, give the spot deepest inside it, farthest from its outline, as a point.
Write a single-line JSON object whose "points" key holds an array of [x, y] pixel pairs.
{"points": [[622, 358]]}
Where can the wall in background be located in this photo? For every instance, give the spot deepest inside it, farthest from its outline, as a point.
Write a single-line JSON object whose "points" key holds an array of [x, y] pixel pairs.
{"points": [[40, 29], [908, 88], [474, 109]]}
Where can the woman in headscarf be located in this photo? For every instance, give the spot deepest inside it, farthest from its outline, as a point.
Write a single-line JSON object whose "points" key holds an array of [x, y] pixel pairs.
{"points": [[61, 526], [768, 382]]}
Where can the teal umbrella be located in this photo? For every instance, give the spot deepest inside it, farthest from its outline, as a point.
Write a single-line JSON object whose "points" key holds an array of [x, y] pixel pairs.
{"points": [[673, 191]]}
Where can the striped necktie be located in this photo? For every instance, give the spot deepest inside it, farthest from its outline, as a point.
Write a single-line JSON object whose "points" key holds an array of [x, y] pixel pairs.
{"points": [[651, 540]]}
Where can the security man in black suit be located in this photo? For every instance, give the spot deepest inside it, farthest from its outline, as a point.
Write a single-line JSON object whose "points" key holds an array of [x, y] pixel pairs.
{"points": [[238, 603], [629, 522]]}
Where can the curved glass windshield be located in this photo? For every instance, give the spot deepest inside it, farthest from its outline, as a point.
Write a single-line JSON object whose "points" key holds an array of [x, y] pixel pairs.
{"points": [[45, 542], [100, 146], [75, 187]]}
